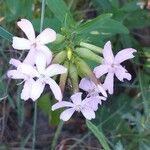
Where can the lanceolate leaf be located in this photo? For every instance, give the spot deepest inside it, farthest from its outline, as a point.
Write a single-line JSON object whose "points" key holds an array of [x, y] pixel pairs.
{"points": [[103, 24], [61, 11], [93, 24], [99, 134], [5, 34]]}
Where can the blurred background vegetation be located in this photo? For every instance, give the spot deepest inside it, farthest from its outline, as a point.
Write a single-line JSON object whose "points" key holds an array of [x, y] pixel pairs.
{"points": [[124, 118]]}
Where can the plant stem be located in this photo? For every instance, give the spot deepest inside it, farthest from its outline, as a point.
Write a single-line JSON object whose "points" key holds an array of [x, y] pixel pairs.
{"points": [[34, 125], [57, 133], [42, 15]]}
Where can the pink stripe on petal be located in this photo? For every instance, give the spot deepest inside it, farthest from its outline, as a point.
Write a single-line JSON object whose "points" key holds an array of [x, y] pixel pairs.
{"points": [[21, 43], [61, 105], [46, 36], [66, 115], [26, 26]]}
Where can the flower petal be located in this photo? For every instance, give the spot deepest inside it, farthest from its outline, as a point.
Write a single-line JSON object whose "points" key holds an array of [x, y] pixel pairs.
{"points": [[91, 102], [46, 51], [14, 62], [21, 43], [101, 90], [107, 53], [88, 113], [109, 83], [28, 70], [40, 63], [26, 26], [77, 98], [100, 70], [55, 69], [86, 84], [122, 73], [46, 36], [25, 94], [61, 105], [15, 74], [30, 58], [55, 88], [37, 89], [124, 55], [66, 115]]}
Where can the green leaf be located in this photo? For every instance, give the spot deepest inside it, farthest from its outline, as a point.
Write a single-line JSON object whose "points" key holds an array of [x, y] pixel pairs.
{"points": [[61, 11], [100, 136], [45, 105], [112, 27], [103, 24], [5, 34], [93, 24]]}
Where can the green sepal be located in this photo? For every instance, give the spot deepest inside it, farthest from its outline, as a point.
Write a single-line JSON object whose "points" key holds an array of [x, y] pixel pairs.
{"points": [[63, 78], [73, 75], [92, 47], [60, 57], [84, 70], [88, 54]]}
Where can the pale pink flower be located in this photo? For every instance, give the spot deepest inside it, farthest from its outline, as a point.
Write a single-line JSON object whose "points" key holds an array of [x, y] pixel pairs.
{"points": [[35, 45], [93, 90], [16, 74], [78, 105], [112, 66], [43, 75]]}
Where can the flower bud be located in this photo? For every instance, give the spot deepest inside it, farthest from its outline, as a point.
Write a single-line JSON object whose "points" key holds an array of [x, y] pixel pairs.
{"points": [[88, 54], [60, 57], [84, 70], [94, 48], [73, 75], [63, 78], [59, 39]]}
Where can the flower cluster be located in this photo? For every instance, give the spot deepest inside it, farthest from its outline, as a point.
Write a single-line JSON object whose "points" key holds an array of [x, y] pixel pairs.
{"points": [[37, 70]]}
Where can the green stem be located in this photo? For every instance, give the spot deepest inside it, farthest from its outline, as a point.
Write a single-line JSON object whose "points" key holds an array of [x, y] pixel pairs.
{"points": [[34, 126], [57, 133], [42, 15], [35, 105]]}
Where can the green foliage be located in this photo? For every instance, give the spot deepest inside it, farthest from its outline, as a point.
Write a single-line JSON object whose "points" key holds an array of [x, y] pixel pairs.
{"points": [[5, 34], [124, 117], [99, 134], [61, 12]]}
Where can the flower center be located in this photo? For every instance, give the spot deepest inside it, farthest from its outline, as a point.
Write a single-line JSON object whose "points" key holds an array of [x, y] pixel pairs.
{"points": [[78, 108]]}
